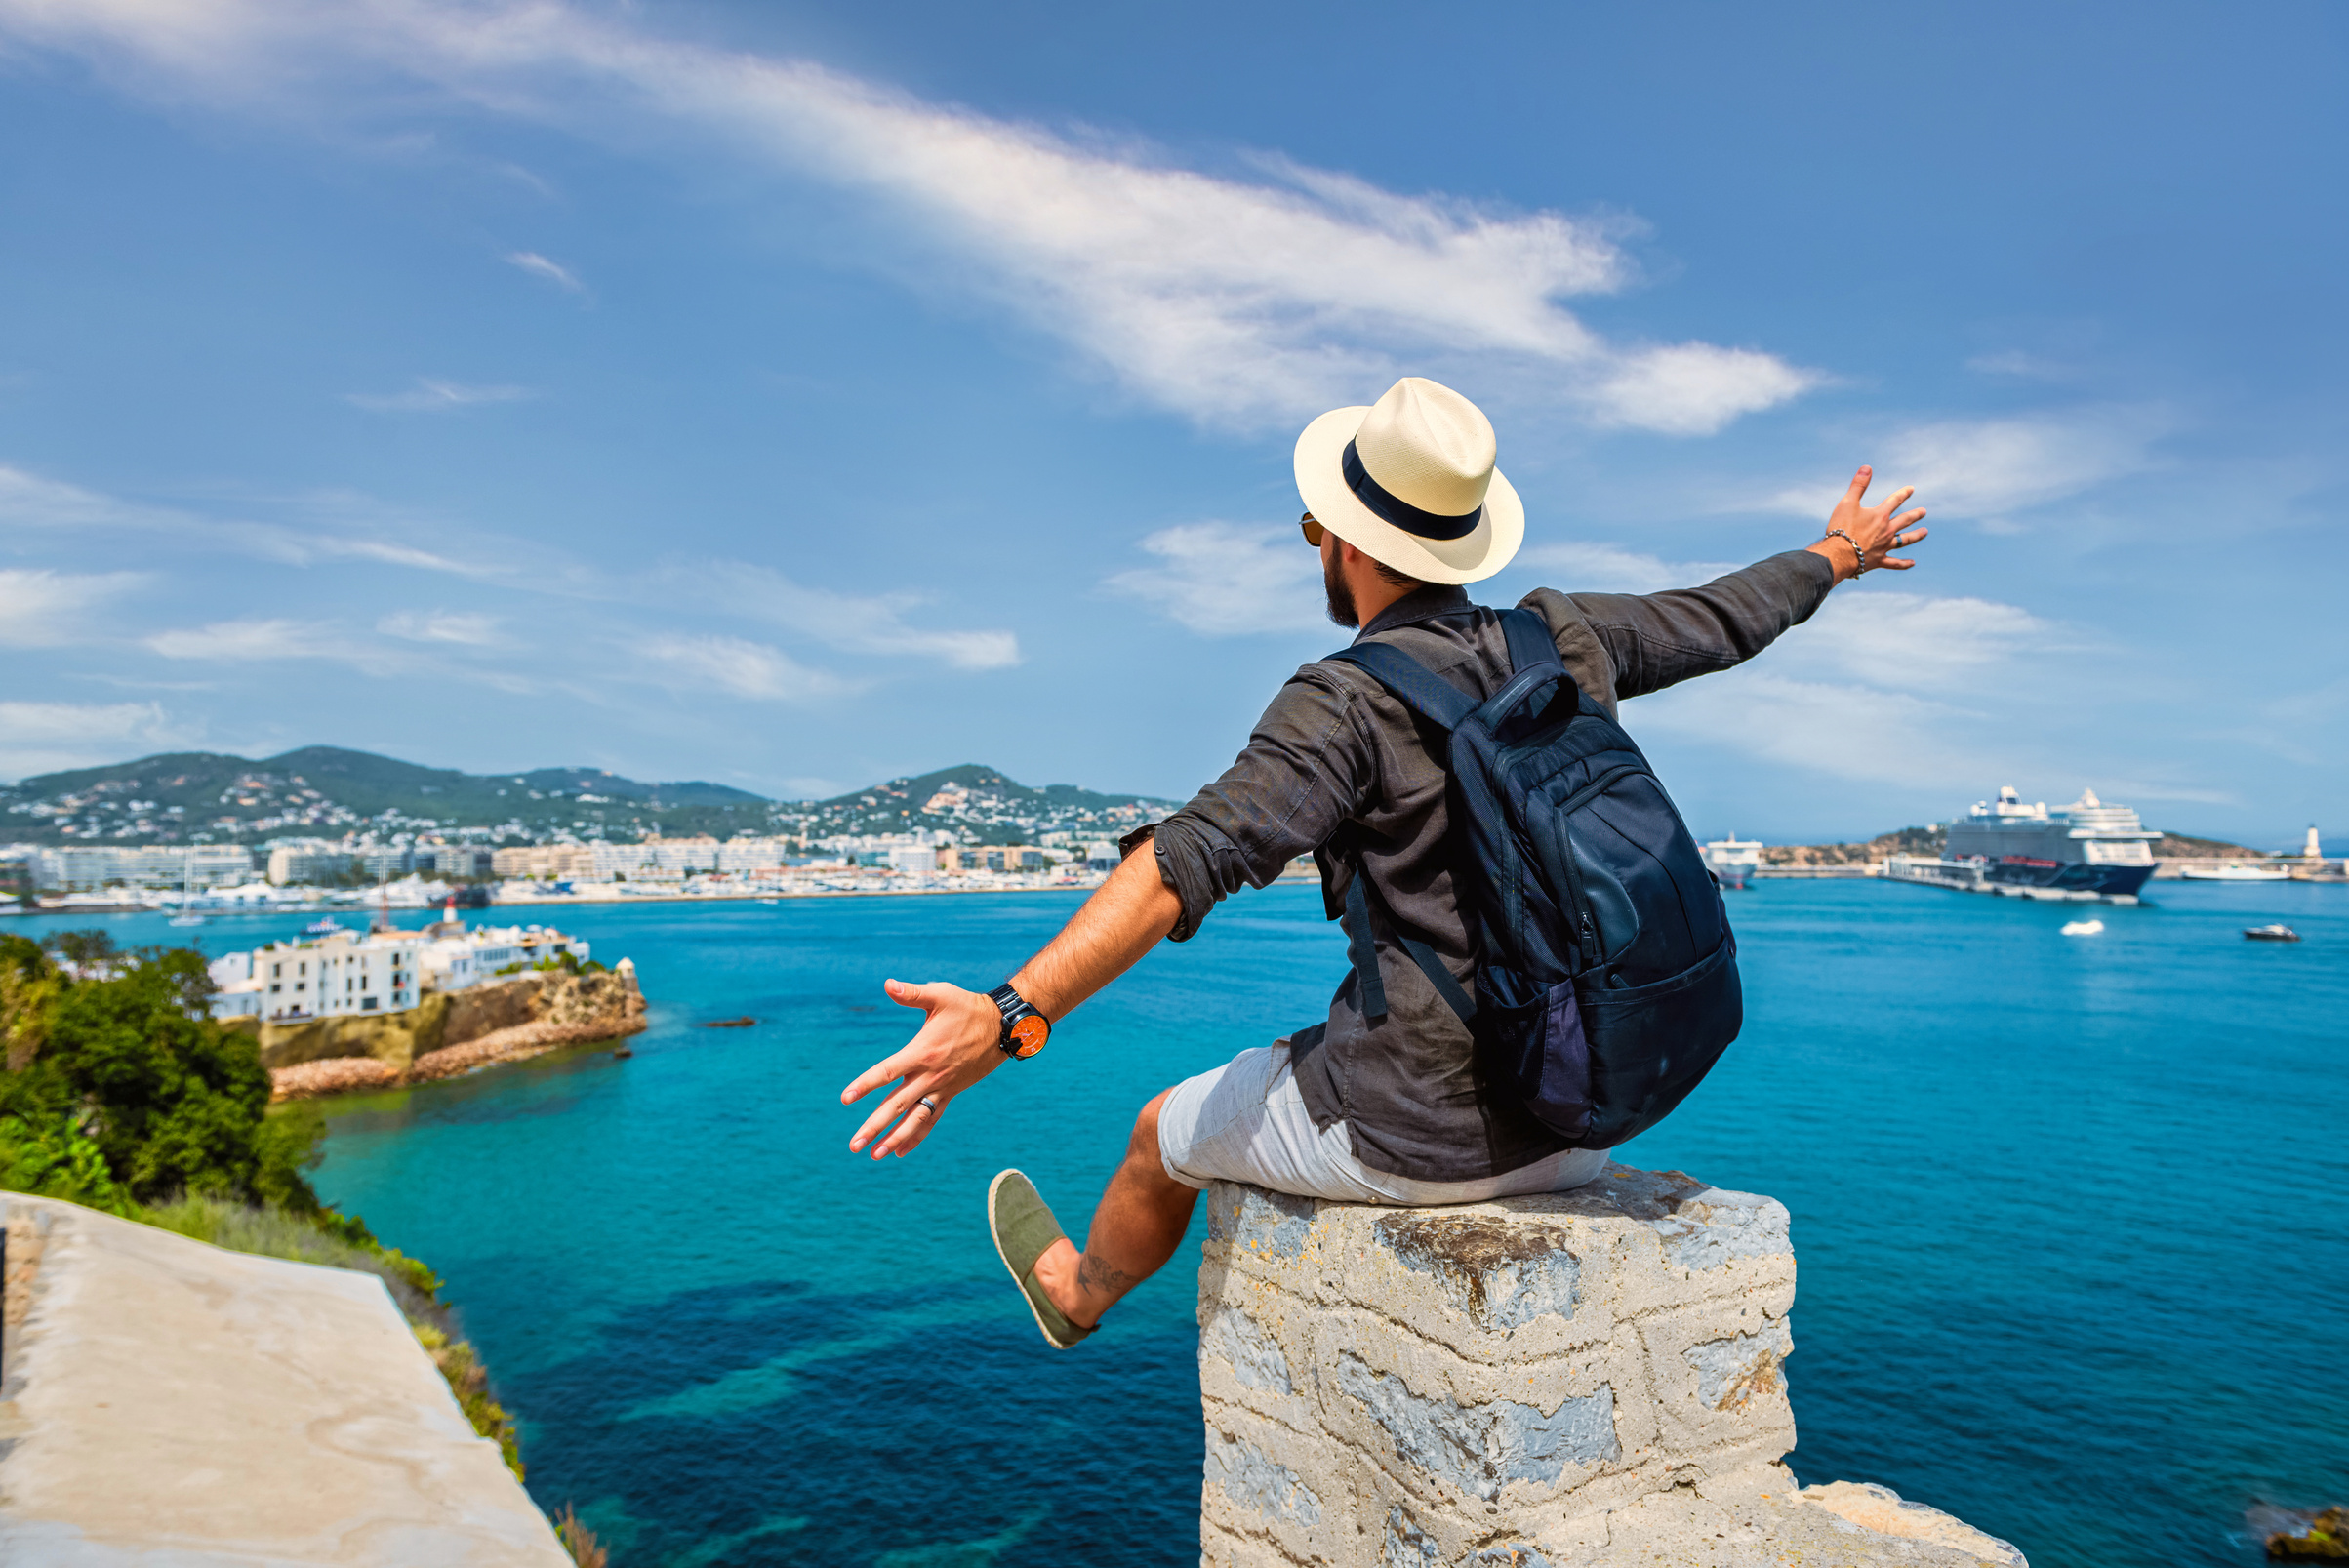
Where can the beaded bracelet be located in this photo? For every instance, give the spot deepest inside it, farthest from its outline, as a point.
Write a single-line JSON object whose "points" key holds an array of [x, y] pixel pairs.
{"points": [[1855, 549]]}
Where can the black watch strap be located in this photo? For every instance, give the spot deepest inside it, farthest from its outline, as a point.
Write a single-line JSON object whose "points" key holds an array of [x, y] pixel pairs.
{"points": [[1025, 1029]]}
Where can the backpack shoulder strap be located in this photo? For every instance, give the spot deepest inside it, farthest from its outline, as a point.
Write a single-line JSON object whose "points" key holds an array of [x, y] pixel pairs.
{"points": [[1417, 686], [1530, 645]]}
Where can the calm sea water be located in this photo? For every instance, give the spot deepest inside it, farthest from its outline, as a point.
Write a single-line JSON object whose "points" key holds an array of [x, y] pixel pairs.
{"points": [[2070, 1214]]}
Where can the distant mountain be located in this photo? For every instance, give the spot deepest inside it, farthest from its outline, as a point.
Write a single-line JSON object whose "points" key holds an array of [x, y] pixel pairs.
{"points": [[328, 792], [978, 803]]}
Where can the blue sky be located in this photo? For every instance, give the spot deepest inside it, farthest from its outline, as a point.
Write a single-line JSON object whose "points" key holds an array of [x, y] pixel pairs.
{"points": [[795, 395]]}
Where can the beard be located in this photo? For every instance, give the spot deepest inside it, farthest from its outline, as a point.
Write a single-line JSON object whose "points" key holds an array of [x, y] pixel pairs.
{"points": [[1340, 594]]}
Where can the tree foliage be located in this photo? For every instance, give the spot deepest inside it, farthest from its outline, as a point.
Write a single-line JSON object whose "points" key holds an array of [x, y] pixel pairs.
{"points": [[117, 1052]]}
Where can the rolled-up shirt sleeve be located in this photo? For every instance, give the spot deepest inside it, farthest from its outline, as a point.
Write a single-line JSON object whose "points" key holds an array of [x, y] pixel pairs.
{"points": [[1305, 769], [1655, 640]]}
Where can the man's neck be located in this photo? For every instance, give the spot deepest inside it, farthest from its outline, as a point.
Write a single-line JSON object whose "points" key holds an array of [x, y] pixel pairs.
{"points": [[1417, 603]]}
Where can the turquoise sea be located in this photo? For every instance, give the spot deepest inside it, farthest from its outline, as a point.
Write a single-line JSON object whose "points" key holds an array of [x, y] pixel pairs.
{"points": [[2070, 1214]]}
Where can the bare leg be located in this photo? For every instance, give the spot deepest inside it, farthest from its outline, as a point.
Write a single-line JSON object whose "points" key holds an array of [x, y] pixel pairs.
{"points": [[1136, 1228]]}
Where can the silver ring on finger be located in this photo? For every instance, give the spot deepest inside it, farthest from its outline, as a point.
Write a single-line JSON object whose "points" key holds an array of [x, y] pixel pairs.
{"points": [[929, 1104]]}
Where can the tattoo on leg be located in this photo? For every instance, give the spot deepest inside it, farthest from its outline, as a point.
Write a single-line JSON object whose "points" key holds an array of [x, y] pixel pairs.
{"points": [[1099, 1277]]}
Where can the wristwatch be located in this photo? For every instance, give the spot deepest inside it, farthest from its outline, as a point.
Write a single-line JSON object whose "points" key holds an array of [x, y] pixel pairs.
{"points": [[1025, 1029]]}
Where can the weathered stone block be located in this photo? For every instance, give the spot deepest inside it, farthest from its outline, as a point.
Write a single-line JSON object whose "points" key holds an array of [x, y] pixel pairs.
{"points": [[1569, 1379]]}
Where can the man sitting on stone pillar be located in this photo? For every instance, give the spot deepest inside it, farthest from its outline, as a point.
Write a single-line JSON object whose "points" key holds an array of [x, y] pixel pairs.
{"points": [[1379, 1104]]}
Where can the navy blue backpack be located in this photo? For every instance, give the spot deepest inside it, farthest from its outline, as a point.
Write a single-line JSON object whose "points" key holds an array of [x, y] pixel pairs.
{"points": [[1608, 985]]}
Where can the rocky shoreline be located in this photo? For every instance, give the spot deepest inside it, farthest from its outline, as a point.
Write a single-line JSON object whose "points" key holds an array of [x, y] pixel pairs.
{"points": [[452, 1033]]}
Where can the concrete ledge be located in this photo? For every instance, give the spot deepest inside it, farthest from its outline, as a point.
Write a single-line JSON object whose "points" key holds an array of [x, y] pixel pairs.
{"points": [[1569, 1379], [167, 1402]]}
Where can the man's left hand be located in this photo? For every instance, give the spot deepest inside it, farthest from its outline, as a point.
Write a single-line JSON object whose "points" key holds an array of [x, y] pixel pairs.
{"points": [[955, 1048]]}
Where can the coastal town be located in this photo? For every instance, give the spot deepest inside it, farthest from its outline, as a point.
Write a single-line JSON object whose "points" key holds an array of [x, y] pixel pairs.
{"points": [[211, 835]]}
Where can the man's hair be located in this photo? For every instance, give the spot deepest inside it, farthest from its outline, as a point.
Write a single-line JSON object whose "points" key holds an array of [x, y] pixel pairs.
{"points": [[1401, 580]]}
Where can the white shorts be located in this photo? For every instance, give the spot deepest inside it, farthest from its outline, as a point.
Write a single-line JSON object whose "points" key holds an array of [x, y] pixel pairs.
{"points": [[1245, 1121]]}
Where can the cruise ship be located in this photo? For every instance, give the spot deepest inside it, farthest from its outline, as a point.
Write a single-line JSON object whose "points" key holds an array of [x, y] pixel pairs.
{"points": [[2087, 850], [1733, 861]]}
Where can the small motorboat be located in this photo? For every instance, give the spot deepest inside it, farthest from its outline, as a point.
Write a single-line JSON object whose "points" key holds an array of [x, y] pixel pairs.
{"points": [[321, 928], [2083, 928], [187, 920], [2277, 932]]}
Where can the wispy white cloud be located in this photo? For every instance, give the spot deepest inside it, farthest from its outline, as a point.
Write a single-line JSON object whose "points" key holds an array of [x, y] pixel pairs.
{"points": [[45, 737], [33, 504], [248, 641], [1887, 688], [1236, 301], [889, 624], [2015, 362], [40, 608], [1598, 568], [31, 500], [1225, 579], [554, 273], [467, 630], [738, 667], [428, 396], [1989, 468], [1904, 641]]}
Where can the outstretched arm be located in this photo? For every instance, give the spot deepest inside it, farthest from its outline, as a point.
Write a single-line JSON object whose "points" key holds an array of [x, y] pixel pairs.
{"points": [[956, 1046], [1654, 640]]}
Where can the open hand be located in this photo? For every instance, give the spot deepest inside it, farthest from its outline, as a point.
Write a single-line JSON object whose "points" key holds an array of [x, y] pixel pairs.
{"points": [[954, 1049], [1874, 529]]}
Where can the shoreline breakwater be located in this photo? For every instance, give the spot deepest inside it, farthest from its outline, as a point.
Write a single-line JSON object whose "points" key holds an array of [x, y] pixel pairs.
{"points": [[449, 1032]]}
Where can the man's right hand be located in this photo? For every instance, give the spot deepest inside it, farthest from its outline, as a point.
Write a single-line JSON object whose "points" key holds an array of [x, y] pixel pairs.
{"points": [[955, 1048]]}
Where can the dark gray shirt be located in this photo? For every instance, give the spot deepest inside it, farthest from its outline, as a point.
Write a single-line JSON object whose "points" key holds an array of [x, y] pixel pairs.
{"points": [[1339, 767]]}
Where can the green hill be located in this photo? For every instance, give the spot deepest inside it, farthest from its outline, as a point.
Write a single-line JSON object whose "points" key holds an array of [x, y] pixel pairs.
{"points": [[328, 792]]}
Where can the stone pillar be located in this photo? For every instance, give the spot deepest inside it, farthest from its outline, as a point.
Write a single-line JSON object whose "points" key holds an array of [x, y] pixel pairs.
{"points": [[1575, 1378]]}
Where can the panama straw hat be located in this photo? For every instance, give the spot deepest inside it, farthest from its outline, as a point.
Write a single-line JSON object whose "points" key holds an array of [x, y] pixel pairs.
{"points": [[1410, 482]]}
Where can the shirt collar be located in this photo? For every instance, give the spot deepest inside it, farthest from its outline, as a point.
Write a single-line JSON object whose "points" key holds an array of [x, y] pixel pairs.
{"points": [[1420, 604]]}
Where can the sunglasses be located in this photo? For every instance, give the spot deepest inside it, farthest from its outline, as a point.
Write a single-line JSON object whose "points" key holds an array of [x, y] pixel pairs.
{"points": [[1312, 530]]}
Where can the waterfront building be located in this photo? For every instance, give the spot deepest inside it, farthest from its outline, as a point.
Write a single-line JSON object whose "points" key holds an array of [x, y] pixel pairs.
{"points": [[347, 972], [991, 858], [755, 854], [87, 868], [657, 860], [556, 863], [913, 859], [455, 958], [331, 977]]}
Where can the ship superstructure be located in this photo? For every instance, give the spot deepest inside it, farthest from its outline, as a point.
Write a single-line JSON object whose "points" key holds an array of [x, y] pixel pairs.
{"points": [[2087, 850]]}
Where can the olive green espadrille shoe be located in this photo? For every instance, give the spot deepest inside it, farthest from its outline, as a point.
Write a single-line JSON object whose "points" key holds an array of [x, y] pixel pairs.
{"points": [[1025, 1230]]}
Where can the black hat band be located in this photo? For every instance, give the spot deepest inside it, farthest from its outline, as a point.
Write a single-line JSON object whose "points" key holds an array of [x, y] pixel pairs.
{"points": [[1392, 508]]}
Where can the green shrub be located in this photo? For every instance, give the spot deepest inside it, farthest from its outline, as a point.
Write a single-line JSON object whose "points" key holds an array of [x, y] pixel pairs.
{"points": [[121, 1048], [55, 1158]]}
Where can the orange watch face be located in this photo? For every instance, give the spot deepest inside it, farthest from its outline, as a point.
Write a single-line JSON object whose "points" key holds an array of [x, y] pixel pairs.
{"points": [[1027, 1036]]}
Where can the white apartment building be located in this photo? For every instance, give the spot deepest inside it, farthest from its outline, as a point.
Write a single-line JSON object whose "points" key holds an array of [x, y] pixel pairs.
{"points": [[85, 869], [335, 976], [452, 963], [656, 859], [748, 853], [380, 972]]}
